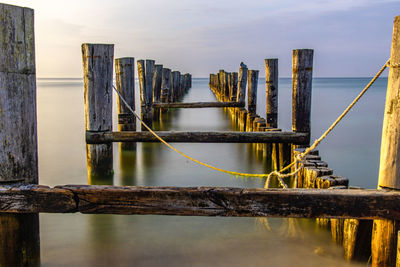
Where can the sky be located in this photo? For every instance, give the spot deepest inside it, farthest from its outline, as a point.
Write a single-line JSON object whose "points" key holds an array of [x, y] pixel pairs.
{"points": [[350, 38]]}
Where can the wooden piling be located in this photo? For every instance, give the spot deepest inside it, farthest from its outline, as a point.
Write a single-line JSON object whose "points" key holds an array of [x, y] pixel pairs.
{"points": [[166, 85], [175, 86], [385, 231], [271, 84], [252, 91], [97, 78], [234, 86], [125, 84], [19, 233], [157, 82], [242, 81], [302, 64], [146, 73]]}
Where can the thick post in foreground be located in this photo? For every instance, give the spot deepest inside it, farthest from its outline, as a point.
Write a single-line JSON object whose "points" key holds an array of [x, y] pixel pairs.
{"points": [[384, 235], [252, 91], [302, 64], [271, 84], [125, 84], [18, 127], [19, 233], [97, 79], [199, 137]]}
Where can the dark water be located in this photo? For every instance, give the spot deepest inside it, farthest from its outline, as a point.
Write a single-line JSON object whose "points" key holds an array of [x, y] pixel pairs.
{"points": [[103, 240]]}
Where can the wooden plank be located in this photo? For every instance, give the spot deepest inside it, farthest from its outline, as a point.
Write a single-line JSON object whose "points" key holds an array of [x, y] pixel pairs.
{"points": [[198, 137], [202, 201], [18, 126], [198, 105]]}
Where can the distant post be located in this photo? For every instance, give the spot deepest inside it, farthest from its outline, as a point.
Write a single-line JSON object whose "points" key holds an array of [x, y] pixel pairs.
{"points": [[19, 233], [302, 64], [271, 84], [384, 233], [252, 91], [241, 93], [97, 79]]}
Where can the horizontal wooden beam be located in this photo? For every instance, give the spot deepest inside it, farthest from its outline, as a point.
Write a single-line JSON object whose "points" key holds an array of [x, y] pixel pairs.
{"points": [[199, 137], [202, 201], [200, 105]]}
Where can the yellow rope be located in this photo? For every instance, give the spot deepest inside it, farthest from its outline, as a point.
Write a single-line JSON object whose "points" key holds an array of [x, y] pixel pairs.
{"points": [[299, 157]]}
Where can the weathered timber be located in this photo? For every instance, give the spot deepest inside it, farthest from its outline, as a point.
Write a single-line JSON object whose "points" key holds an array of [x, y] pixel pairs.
{"points": [[242, 81], [198, 105], [385, 231], [18, 126], [234, 86], [157, 82], [252, 83], [198, 137], [271, 84], [202, 201], [146, 74], [175, 86], [125, 84], [166, 85], [19, 233], [302, 64], [97, 78]]}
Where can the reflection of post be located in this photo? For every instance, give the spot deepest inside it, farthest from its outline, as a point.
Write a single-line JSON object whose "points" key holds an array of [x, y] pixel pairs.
{"points": [[97, 77], [385, 231], [19, 234], [125, 84], [127, 161]]}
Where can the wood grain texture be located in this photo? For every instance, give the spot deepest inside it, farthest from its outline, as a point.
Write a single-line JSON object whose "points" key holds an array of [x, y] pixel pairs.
{"points": [[97, 78], [252, 84], [198, 105], [175, 86], [242, 82], [157, 80], [271, 84], [18, 125], [166, 85], [198, 137], [302, 64], [202, 201], [125, 84]]}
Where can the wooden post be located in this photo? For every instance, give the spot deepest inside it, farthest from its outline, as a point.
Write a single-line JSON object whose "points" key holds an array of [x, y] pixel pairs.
{"points": [[125, 84], [302, 64], [271, 84], [175, 85], [97, 78], [146, 73], [19, 234], [157, 82], [166, 85], [234, 86], [252, 91], [385, 231], [241, 94]]}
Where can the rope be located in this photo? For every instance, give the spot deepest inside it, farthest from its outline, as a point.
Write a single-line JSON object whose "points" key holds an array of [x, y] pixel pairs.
{"points": [[299, 158]]}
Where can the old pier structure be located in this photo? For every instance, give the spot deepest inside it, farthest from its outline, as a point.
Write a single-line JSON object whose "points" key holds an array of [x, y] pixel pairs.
{"points": [[21, 198]]}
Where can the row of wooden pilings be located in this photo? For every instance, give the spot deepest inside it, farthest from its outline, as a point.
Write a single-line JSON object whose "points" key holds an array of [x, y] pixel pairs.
{"points": [[157, 84], [353, 234]]}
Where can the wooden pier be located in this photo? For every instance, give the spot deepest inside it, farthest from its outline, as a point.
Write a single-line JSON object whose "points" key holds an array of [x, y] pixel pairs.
{"points": [[318, 194]]}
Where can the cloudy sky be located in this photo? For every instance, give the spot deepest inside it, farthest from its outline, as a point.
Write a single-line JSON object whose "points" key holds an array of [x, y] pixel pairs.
{"points": [[350, 37]]}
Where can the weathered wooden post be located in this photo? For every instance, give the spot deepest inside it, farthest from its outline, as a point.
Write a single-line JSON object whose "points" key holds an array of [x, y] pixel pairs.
{"points": [[125, 84], [97, 79], [175, 85], [241, 93], [271, 84], [146, 74], [302, 64], [252, 91], [19, 234], [166, 85], [157, 89], [157, 82], [385, 231], [234, 86]]}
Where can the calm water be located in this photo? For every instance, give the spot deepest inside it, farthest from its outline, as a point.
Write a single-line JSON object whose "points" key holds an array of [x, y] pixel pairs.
{"points": [[104, 240]]}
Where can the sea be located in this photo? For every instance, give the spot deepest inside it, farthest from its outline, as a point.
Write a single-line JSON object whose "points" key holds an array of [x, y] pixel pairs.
{"points": [[351, 150]]}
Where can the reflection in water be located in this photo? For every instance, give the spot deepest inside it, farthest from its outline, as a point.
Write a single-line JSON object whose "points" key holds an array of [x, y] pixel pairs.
{"points": [[19, 240], [99, 164]]}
